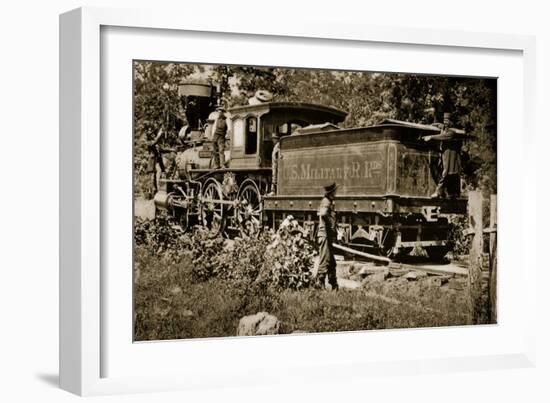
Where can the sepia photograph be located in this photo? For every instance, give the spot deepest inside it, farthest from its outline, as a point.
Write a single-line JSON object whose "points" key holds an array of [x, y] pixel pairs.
{"points": [[277, 201]]}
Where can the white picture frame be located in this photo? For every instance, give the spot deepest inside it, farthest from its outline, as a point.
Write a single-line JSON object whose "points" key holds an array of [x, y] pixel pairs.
{"points": [[82, 299]]}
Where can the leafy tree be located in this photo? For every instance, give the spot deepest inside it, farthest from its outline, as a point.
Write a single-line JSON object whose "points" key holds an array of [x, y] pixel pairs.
{"points": [[472, 103], [371, 97], [156, 102], [156, 106]]}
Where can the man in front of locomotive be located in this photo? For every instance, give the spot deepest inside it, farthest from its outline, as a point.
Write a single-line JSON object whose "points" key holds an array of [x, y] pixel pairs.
{"points": [[154, 158], [449, 182], [326, 235], [218, 140]]}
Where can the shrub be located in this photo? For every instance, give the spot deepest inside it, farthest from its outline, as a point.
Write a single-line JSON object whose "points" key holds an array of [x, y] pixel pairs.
{"points": [[271, 260], [457, 235], [206, 253], [250, 272], [243, 260], [289, 258], [161, 236]]}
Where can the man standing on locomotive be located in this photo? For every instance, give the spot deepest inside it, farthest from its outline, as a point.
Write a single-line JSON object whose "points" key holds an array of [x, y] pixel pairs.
{"points": [[218, 140], [325, 237], [449, 181]]}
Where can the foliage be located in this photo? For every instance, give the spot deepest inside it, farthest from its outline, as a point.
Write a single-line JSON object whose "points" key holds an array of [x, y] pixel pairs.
{"points": [[271, 260], [472, 103], [457, 235], [162, 237], [195, 285], [156, 106], [170, 305], [156, 101], [289, 258], [371, 97], [239, 83], [206, 253], [384, 306]]}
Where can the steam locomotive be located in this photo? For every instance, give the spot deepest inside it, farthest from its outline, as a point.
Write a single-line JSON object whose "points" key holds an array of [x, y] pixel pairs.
{"points": [[386, 174]]}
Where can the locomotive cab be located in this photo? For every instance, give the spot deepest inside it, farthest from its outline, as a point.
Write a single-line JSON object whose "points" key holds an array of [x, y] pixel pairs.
{"points": [[254, 126]]}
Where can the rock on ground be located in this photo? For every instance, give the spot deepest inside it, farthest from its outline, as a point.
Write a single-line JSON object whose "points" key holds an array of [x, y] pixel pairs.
{"points": [[259, 324], [144, 209], [414, 275], [348, 284], [376, 277]]}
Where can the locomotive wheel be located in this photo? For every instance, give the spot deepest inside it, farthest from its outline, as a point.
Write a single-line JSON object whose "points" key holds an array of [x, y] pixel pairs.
{"points": [[212, 212], [180, 216], [184, 221], [250, 211]]}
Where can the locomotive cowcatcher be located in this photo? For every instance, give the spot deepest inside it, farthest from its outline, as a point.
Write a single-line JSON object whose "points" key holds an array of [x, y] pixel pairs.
{"points": [[385, 173]]}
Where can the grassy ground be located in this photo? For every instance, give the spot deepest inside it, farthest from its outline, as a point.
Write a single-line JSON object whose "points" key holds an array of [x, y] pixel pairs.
{"points": [[169, 305]]}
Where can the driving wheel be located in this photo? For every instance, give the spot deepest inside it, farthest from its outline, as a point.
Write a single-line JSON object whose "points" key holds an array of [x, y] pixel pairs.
{"points": [[212, 210], [250, 210]]}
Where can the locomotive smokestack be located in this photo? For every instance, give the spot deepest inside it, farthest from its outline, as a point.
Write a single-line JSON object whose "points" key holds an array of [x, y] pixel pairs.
{"points": [[197, 100]]}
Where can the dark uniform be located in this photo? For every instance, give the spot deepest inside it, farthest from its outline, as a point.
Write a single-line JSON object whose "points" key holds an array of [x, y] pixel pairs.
{"points": [[325, 238], [450, 146], [218, 139], [151, 170], [450, 159], [154, 157], [275, 154]]}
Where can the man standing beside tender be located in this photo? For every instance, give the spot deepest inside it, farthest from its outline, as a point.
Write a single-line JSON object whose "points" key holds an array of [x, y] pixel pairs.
{"points": [[325, 238]]}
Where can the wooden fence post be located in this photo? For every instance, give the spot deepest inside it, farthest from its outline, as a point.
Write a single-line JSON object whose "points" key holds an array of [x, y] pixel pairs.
{"points": [[493, 261], [475, 293]]}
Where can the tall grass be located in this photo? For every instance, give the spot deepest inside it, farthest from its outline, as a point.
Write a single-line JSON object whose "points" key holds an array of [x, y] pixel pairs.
{"points": [[170, 304]]}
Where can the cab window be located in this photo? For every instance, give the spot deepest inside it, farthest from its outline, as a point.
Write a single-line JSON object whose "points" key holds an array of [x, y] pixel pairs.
{"points": [[238, 133], [251, 144], [282, 129], [289, 128]]}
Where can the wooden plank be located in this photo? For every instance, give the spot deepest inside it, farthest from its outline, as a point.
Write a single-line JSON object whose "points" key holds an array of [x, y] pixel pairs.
{"points": [[475, 219], [493, 222], [493, 262], [448, 269], [363, 254]]}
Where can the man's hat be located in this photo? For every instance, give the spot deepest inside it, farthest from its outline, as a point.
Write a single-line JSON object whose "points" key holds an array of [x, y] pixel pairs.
{"points": [[331, 188], [263, 96], [447, 115]]}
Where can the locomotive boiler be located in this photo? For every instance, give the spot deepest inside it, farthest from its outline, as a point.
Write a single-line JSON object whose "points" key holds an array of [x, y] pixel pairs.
{"points": [[386, 174]]}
